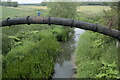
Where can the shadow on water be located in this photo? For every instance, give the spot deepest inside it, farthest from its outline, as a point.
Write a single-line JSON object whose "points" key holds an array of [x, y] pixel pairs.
{"points": [[64, 66]]}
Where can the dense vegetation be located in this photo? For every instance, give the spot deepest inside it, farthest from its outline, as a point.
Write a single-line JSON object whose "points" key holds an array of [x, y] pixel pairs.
{"points": [[97, 54], [31, 49], [64, 9], [31, 53]]}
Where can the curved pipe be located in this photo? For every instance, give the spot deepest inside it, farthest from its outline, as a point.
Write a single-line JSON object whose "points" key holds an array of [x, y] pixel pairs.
{"points": [[62, 21]]}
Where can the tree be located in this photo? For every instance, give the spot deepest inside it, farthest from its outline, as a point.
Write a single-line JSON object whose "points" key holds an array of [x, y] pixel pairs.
{"points": [[111, 16], [62, 9], [9, 3], [15, 4], [43, 4]]}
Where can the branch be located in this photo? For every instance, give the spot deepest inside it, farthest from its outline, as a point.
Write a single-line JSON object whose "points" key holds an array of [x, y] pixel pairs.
{"points": [[64, 22]]}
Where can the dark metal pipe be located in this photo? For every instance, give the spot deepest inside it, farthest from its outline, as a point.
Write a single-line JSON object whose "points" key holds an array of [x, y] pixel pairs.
{"points": [[62, 21]]}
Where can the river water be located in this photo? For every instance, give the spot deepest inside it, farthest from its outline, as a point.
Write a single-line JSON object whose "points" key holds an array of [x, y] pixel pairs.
{"points": [[64, 65]]}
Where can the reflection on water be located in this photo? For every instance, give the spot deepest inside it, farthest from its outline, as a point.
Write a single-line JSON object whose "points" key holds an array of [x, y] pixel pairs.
{"points": [[63, 66]]}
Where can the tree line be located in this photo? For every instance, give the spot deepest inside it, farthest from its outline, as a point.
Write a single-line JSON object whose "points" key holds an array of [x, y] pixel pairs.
{"points": [[9, 3], [79, 3], [82, 3]]}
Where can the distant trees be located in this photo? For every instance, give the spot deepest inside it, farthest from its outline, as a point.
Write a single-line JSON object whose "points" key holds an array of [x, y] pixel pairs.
{"points": [[43, 4], [9, 3], [94, 3], [0, 2]]}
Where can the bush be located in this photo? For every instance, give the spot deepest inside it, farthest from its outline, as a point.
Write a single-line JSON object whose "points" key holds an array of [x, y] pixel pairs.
{"points": [[61, 34], [32, 60]]}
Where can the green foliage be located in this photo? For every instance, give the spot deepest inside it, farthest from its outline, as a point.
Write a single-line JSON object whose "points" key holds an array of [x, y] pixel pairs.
{"points": [[62, 9], [97, 54], [113, 5], [97, 43], [93, 3], [14, 38], [15, 41], [111, 16], [10, 4], [11, 30], [87, 60], [32, 54], [92, 50], [31, 59], [43, 4], [108, 71], [61, 33], [6, 44]]}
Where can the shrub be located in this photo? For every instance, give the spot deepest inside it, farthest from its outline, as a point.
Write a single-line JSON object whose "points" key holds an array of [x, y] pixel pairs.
{"points": [[32, 60]]}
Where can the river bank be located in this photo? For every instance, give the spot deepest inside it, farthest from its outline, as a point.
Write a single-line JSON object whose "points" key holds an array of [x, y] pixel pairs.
{"points": [[97, 56]]}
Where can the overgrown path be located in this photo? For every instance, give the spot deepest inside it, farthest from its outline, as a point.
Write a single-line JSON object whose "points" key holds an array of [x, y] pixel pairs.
{"points": [[63, 22]]}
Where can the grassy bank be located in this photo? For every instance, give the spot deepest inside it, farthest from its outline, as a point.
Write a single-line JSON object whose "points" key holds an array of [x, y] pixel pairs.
{"points": [[96, 57], [97, 54]]}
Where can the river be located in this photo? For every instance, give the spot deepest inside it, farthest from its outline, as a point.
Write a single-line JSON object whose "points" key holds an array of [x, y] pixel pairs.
{"points": [[64, 65]]}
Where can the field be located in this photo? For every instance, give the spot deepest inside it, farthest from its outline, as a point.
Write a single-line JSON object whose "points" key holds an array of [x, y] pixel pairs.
{"points": [[34, 7], [92, 9], [23, 11], [11, 12]]}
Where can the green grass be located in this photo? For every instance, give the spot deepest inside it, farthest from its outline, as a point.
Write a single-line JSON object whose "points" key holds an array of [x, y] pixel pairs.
{"points": [[19, 12], [92, 9], [92, 14], [31, 59], [94, 53], [11, 12]]}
